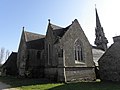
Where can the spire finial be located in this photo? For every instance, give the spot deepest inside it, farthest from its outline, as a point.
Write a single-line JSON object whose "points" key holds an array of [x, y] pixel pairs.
{"points": [[23, 27], [49, 20], [95, 5]]}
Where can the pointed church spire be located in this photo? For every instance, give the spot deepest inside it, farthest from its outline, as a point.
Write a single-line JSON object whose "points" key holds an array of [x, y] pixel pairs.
{"points": [[101, 41], [98, 24]]}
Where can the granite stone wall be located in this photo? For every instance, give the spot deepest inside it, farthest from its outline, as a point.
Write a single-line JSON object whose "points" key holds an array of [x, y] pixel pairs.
{"points": [[109, 63], [79, 74]]}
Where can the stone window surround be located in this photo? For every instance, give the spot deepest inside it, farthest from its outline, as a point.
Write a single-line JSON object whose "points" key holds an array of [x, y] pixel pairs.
{"points": [[78, 52]]}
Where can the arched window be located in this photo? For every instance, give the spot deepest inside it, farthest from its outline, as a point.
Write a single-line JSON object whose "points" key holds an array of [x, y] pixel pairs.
{"points": [[78, 51]]}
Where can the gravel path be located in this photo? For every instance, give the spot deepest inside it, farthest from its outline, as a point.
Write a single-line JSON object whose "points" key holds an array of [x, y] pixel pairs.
{"points": [[4, 86]]}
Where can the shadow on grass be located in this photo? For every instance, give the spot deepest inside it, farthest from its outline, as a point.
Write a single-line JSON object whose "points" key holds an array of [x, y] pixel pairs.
{"points": [[44, 84], [88, 86], [18, 82]]}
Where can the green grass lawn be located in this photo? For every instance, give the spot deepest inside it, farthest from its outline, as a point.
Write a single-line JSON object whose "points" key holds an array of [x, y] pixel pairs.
{"points": [[42, 84]]}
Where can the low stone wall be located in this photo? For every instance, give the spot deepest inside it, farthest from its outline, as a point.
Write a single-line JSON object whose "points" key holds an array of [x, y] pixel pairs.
{"points": [[69, 74], [80, 74]]}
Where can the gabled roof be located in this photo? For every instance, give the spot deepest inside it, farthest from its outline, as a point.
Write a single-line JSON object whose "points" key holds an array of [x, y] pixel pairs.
{"points": [[55, 27], [95, 47], [97, 53], [57, 30], [12, 59], [112, 53], [34, 41], [60, 32], [29, 36]]}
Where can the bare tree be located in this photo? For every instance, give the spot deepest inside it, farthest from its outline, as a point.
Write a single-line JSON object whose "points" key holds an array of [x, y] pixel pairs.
{"points": [[2, 51], [7, 53]]}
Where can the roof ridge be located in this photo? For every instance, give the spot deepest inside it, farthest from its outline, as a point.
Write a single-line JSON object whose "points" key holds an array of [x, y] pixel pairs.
{"points": [[33, 33], [29, 36], [54, 27]]}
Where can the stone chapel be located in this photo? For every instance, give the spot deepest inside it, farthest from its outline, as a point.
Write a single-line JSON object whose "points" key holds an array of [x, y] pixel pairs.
{"points": [[64, 54]]}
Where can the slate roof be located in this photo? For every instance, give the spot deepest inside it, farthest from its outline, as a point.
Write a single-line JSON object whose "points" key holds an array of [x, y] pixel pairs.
{"points": [[29, 36], [37, 44], [12, 59], [112, 53], [59, 31], [97, 53], [34, 41], [55, 27]]}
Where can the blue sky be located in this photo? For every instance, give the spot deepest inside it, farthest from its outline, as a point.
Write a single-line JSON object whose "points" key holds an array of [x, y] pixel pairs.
{"points": [[34, 15]]}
